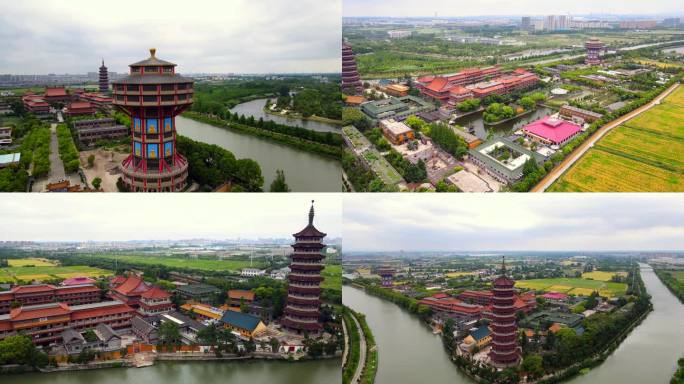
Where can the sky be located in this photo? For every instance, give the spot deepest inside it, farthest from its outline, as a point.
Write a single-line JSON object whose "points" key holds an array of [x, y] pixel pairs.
{"points": [[513, 222], [215, 36], [455, 8], [173, 216]]}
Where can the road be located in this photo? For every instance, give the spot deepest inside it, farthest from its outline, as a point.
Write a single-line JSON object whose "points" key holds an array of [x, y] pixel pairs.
{"points": [[362, 352], [568, 162], [56, 164]]}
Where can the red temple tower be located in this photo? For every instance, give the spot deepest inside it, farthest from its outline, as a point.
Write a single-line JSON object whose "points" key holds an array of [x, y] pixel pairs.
{"points": [[505, 351], [152, 95], [104, 79], [351, 82], [594, 47], [386, 275], [304, 281]]}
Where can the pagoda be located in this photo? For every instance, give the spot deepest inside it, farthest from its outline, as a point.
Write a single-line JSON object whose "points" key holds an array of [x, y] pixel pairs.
{"points": [[594, 47], [302, 310], [351, 82], [386, 275], [152, 95], [505, 351], [104, 79]]}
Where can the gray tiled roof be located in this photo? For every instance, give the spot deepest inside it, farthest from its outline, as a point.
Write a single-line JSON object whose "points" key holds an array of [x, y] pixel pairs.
{"points": [[153, 79]]}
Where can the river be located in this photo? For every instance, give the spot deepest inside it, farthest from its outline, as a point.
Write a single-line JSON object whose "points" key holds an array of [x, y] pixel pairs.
{"points": [[408, 352], [649, 354], [315, 372], [304, 171], [475, 124], [256, 108]]}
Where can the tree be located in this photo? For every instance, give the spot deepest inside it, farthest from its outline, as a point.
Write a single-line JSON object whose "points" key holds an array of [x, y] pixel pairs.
{"points": [[279, 184], [532, 365], [169, 333], [275, 344], [530, 167], [97, 182], [91, 160]]}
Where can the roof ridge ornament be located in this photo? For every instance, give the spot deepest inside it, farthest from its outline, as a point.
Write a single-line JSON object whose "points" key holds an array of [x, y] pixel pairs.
{"points": [[311, 213], [503, 265], [153, 51]]}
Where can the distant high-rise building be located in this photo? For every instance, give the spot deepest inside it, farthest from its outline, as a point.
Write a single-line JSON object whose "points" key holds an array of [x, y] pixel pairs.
{"points": [[351, 82], [505, 351], [550, 23], [594, 47], [526, 23], [563, 22], [104, 78], [303, 304]]}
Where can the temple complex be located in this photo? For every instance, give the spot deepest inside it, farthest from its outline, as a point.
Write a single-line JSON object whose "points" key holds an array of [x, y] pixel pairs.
{"points": [[302, 310], [152, 96], [505, 351]]}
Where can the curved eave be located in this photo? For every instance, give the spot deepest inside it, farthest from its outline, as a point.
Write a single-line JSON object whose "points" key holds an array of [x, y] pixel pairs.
{"points": [[153, 79]]}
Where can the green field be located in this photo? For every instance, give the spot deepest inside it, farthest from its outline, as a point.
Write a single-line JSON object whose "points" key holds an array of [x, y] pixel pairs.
{"points": [[679, 275], [36, 262], [15, 274], [332, 275], [575, 286], [643, 155], [183, 262], [602, 275]]}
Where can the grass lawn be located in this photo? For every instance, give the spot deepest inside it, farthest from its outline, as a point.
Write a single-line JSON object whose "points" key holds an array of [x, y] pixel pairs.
{"points": [[36, 262], [679, 275], [575, 286], [602, 275], [332, 275], [14, 274]]}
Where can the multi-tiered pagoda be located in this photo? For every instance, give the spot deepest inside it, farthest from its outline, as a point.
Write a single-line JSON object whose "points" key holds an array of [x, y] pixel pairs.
{"points": [[153, 95], [386, 275], [504, 352], [594, 47], [302, 309], [104, 79], [351, 82]]}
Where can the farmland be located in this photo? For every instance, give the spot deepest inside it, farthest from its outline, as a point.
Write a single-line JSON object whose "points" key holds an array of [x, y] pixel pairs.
{"points": [[452, 275], [32, 261], [26, 274], [642, 155], [575, 286], [602, 275], [332, 275], [186, 262]]}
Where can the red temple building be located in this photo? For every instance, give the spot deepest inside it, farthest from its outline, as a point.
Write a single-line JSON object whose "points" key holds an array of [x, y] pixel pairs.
{"points": [[46, 293], [146, 298], [594, 47], [153, 95], [351, 82], [302, 310], [104, 79], [44, 323], [36, 104], [79, 108], [56, 95], [505, 351]]}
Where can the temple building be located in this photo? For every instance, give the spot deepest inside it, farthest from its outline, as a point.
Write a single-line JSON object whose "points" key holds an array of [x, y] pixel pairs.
{"points": [[46, 293], [505, 351], [104, 79], [594, 47], [146, 298], [152, 95], [351, 82], [386, 274], [302, 310]]}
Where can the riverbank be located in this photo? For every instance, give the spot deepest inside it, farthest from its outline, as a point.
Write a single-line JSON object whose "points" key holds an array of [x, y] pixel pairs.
{"points": [[494, 124], [671, 282], [319, 119], [292, 141], [364, 354]]}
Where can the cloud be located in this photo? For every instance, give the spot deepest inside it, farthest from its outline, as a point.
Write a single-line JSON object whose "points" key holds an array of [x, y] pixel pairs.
{"points": [[240, 36], [428, 222], [108, 217]]}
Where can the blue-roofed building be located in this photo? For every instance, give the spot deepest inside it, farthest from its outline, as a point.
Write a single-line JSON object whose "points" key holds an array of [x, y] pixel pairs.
{"points": [[478, 337], [244, 324]]}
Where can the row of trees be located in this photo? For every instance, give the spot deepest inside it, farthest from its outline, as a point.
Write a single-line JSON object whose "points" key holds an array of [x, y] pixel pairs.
{"points": [[675, 285], [67, 149], [20, 350]]}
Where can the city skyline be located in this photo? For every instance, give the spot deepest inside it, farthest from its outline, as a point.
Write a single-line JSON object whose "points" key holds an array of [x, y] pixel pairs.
{"points": [[110, 217], [518, 223], [430, 8], [210, 37]]}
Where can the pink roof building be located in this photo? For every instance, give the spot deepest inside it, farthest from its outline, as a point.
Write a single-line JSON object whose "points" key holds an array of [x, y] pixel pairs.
{"points": [[552, 131], [77, 281], [555, 296]]}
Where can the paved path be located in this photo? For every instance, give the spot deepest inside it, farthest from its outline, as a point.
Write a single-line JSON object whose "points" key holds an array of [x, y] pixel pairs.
{"points": [[56, 165], [362, 352], [558, 171]]}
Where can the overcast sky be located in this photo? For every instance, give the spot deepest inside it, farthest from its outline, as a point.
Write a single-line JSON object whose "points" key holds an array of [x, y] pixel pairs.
{"points": [[123, 216], [241, 36], [455, 8], [524, 222]]}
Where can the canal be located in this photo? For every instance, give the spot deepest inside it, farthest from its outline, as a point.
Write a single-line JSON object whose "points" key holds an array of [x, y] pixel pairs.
{"points": [[649, 354], [304, 171], [256, 108], [408, 351], [315, 372], [475, 123]]}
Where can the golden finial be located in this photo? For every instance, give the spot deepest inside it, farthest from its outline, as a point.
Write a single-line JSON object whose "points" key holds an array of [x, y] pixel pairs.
{"points": [[153, 51]]}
